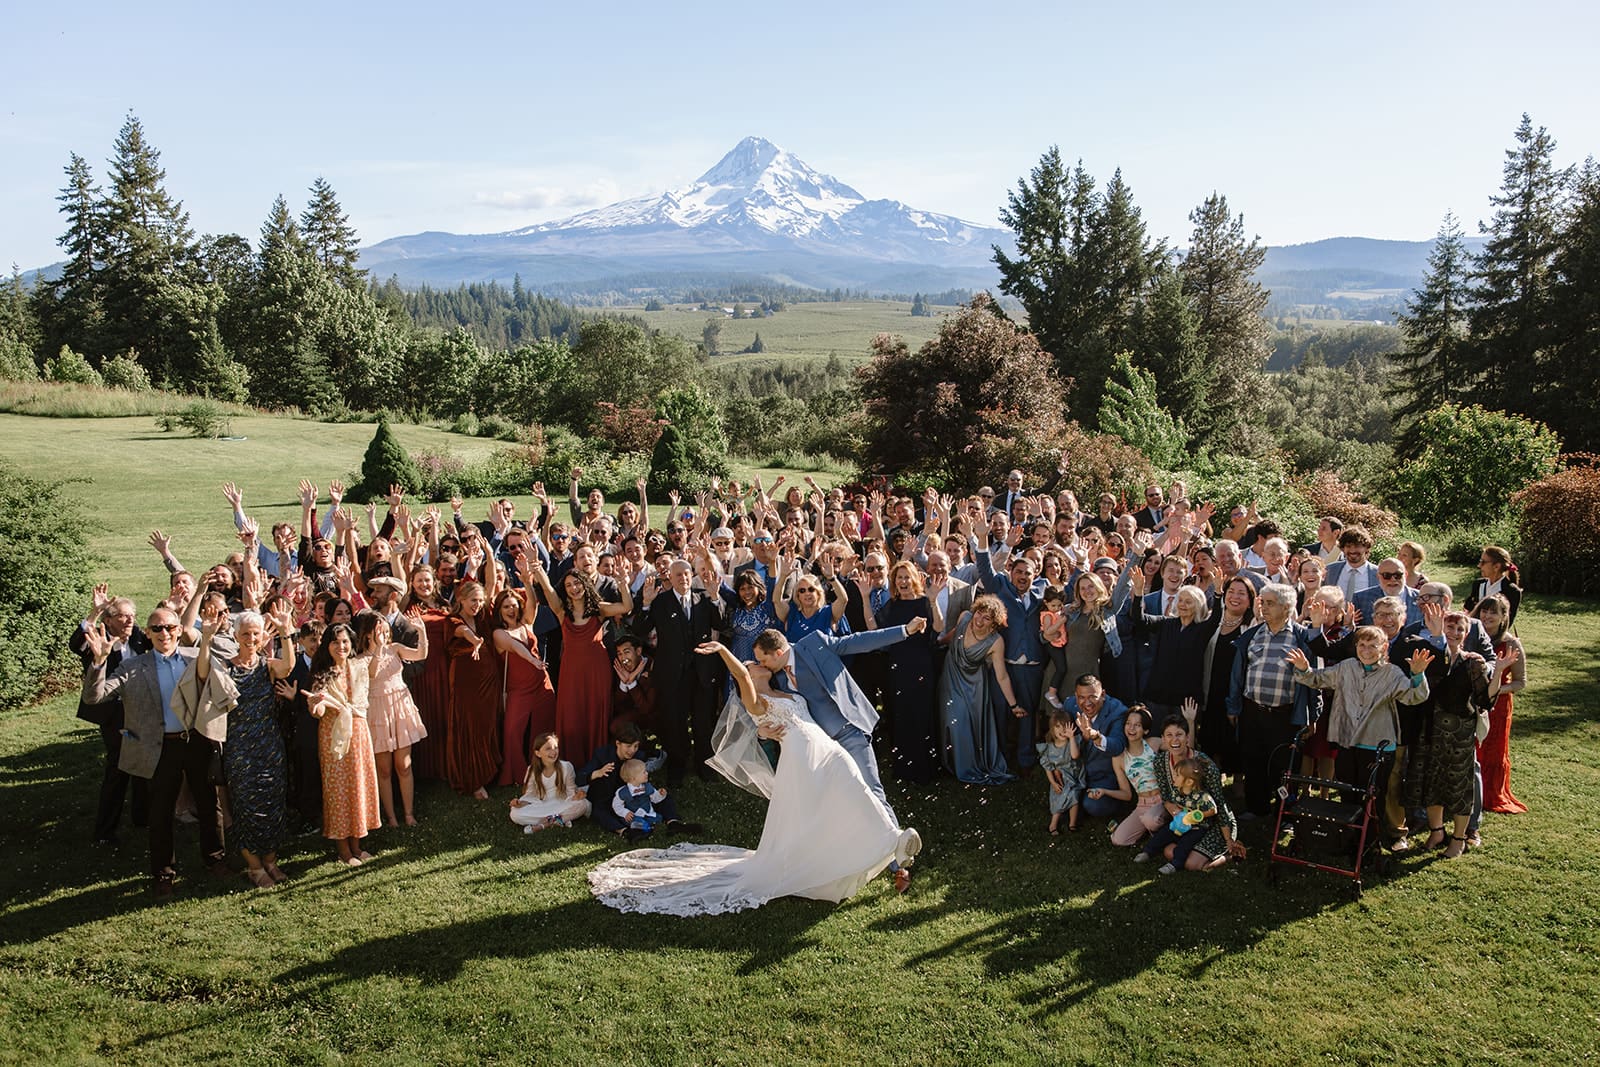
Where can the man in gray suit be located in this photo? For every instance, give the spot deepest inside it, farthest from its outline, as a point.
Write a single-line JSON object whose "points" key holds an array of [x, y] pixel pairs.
{"points": [[158, 746]]}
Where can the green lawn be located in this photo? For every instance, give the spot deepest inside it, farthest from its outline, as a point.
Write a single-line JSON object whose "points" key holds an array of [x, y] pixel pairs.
{"points": [[469, 942], [803, 330]]}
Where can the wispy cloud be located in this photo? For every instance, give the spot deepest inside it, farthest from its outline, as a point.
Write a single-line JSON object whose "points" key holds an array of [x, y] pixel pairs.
{"points": [[547, 197]]}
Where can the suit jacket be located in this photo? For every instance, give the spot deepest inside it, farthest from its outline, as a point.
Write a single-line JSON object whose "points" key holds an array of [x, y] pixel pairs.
{"points": [[138, 686], [960, 598], [835, 700], [108, 714], [676, 661], [1508, 589], [1336, 570], [1365, 599], [1148, 517]]}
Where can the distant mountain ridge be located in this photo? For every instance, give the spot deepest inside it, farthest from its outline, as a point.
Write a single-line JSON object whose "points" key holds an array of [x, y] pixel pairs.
{"points": [[759, 210]]}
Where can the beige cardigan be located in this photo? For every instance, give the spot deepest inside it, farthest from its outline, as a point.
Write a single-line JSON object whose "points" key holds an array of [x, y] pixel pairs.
{"points": [[203, 706]]}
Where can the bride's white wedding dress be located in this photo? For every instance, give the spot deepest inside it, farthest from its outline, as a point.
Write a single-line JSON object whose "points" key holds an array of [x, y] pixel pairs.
{"points": [[825, 837]]}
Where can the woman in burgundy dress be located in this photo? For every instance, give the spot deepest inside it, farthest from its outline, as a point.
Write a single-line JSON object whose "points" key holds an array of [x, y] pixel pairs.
{"points": [[472, 754], [530, 699], [583, 691], [430, 688], [1494, 751]]}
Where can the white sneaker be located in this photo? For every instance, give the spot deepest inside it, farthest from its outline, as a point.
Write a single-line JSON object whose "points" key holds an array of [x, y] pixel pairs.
{"points": [[1166, 868], [527, 829], [1141, 857], [906, 849]]}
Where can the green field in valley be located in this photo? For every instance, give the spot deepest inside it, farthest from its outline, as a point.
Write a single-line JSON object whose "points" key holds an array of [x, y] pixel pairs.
{"points": [[803, 330]]}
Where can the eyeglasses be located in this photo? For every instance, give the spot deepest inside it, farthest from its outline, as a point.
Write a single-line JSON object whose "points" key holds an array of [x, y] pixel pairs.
{"points": [[870, 569], [164, 628], [1391, 574]]}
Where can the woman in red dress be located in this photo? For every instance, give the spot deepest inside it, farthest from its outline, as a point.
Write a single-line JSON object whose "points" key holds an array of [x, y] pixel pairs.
{"points": [[583, 694], [472, 754], [530, 699], [430, 688], [1494, 751]]}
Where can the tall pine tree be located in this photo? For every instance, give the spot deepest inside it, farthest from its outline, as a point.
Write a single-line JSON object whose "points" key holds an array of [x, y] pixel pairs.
{"points": [[279, 346], [1166, 341], [1218, 274], [1575, 318], [1430, 369], [330, 236], [1509, 356], [71, 308]]}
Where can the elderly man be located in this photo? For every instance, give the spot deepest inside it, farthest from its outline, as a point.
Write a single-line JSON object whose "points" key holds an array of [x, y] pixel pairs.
{"points": [[157, 745], [1264, 701], [115, 617], [1230, 561], [1391, 583]]}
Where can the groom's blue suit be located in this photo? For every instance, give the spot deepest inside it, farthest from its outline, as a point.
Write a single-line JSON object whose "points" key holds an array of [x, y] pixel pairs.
{"points": [[836, 703]]}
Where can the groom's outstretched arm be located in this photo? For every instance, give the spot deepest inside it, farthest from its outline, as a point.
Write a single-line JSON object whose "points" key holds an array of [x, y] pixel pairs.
{"points": [[867, 641]]}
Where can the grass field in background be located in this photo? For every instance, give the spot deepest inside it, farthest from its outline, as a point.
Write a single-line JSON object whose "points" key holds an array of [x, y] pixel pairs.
{"points": [[802, 330], [468, 942]]}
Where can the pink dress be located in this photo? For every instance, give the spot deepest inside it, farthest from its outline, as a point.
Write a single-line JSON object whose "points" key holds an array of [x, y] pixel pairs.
{"points": [[392, 716]]}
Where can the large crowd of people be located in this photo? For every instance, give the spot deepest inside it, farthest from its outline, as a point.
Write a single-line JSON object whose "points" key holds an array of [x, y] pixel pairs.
{"points": [[1151, 665]]}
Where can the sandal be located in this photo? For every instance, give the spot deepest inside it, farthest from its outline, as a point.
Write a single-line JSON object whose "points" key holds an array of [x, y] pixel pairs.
{"points": [[274, 873], [1436, 838], [1458, 846], [259, 878]]}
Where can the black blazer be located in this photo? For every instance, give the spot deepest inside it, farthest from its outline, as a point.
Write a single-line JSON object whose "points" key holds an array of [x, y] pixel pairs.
{"points": [[1509, 590], [110, 713], [676, 661], [1147, 520]]}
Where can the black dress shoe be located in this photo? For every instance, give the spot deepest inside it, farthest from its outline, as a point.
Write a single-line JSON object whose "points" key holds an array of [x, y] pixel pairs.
{"points": [[635, 836], [161, 886], [678, 826]]}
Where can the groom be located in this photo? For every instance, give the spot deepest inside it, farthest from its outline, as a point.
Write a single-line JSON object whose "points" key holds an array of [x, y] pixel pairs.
{"points": [[812, 668]]}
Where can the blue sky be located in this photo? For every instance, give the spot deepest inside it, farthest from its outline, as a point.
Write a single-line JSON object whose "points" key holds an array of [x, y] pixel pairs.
{"points": [[1315, 121]]}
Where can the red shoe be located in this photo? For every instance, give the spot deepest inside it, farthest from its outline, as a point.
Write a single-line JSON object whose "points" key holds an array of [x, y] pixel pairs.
{"points": [[902, 880]]}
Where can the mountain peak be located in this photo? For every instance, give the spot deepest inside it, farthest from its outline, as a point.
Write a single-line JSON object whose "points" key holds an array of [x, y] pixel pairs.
{"points": [[755, 163], [744, 161]]}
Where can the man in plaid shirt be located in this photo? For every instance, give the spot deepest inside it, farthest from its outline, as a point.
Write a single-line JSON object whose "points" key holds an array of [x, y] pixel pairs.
{"points": [[1264, 701]]}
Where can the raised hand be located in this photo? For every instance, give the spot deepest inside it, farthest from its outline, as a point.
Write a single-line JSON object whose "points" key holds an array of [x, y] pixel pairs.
{"points": [[640, 484], [96, 641], [209, 628], [1191, 708], [336, 492], [1420, 660], [1433, 618], [160, 542], [308, 494], [709, 648], [1297, 659], [577, 472], [101, 600], [673, 496], [233, 495], [396, 494], [286, 688], [1511, 656]]}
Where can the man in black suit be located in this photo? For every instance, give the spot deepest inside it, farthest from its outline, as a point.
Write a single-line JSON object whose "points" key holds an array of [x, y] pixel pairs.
{"points": [[1154, 511], [116, 617], [687, 685]]}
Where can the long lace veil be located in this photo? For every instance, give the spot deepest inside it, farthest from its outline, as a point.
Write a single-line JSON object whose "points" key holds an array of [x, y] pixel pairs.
{"points": [[739, 756]]}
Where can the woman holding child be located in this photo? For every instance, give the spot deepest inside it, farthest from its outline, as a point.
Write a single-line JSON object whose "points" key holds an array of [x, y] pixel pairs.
{"points": [[1218, 840]]}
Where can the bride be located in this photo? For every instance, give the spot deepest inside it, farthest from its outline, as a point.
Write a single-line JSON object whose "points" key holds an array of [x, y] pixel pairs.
{"points": [[826, 835]]}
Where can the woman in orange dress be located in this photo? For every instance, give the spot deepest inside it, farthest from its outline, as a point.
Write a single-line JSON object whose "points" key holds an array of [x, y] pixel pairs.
{"points": [[338, 697], [583, 694], [430, 688], [1494, 751], [530, 698], [472, 753]]}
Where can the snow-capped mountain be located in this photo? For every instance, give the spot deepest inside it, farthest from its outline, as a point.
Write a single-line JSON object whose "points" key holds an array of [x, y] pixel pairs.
{"points": [[759, 210]]}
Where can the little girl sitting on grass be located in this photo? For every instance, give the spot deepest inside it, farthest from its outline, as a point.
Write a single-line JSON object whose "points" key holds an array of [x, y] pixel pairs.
{"points": [[550, 793]]}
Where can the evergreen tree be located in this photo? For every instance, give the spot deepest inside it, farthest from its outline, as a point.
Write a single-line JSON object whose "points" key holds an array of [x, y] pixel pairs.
{"points": [[1219, 277], [71, 308], [333, 240], [1430, 369], [1083, 261], [19, 331], [279, 345], [918, 309], [711, 337], [386, 463], [1510, 355], [692, 447], [1130, 410], [1575, 318], [758, 345], [1166, 341]]}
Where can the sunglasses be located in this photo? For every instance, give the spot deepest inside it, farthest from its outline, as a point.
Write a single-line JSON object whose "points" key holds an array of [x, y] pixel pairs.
{"points": [[559, 537], [165, 628], [763, 541], [1391, 574]]}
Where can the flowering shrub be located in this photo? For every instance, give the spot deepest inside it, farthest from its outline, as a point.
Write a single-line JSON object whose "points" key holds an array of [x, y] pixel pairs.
{"points": [[634, 428], [1328, 494], [1559, 529]]}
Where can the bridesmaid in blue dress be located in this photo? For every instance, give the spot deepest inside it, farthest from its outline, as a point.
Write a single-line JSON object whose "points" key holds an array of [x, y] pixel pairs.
{"points": [[969, 723]]}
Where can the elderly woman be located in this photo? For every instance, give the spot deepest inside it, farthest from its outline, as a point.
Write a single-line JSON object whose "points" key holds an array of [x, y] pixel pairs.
{"points": [[1179, 642], [807, 612], [976, 665], [1220, 840], [1442, 765], [253, 758], [1237, 607]]}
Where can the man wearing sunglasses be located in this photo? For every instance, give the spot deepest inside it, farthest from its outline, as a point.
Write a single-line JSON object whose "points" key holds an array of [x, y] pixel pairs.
{"points": [[156, 744]]}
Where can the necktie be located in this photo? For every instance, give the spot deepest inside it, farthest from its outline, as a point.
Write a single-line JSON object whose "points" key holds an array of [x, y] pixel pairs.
{"points": [[686, 602], [1168, 599]]}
